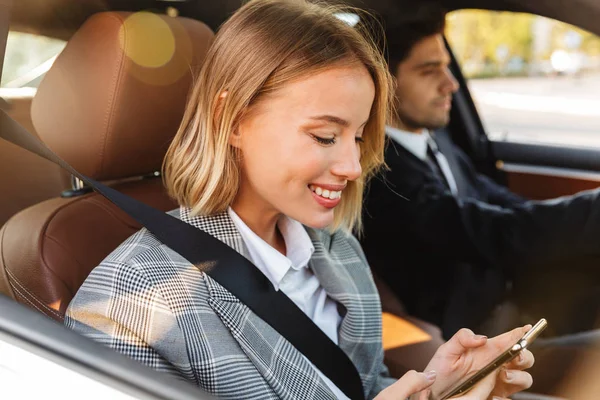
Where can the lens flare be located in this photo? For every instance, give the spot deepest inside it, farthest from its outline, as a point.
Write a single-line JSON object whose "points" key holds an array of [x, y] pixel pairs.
{"points": [[147, 40], [158, 48]]}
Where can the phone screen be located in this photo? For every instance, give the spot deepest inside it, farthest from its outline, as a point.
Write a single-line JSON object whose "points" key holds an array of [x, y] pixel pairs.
{"points": [[502, 359]]}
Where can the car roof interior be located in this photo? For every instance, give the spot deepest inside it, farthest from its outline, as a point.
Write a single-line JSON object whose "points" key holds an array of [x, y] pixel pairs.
{"points": [[60, 18]]}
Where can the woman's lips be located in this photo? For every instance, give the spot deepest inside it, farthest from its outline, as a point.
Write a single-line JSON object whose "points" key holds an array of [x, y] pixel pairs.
{"points": [[327, 203], [328, 196]]}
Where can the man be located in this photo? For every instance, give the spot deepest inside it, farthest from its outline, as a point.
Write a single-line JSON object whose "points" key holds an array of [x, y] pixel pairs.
{"points": [[452, 243]]}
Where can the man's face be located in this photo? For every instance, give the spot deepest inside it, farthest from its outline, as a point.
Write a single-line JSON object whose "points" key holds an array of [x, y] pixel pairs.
{"points": [[425, 86]]}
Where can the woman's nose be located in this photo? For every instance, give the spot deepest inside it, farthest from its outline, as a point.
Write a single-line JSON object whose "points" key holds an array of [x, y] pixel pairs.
{"points": [[347, 164]]}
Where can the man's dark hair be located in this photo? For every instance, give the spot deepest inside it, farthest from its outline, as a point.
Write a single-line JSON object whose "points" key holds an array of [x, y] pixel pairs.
{"points": [[404, 33]]}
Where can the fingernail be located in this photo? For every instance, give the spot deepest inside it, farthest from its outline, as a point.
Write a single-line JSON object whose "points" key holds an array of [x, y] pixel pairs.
{"points": [[508, 376], [521, 358], [431, 375], [480, 337]]}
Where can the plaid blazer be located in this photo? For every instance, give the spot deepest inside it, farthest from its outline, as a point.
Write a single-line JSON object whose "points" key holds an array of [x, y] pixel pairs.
{"points": [[149, 303]]}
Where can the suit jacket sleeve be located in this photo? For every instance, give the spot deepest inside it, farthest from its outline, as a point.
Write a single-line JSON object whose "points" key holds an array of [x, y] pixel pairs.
{"points": [[496, 194], [473, 231], [113, 307]]}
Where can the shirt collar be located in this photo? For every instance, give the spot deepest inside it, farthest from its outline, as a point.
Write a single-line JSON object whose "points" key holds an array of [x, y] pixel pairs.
{"points": [[413, 142], [272, 263]]}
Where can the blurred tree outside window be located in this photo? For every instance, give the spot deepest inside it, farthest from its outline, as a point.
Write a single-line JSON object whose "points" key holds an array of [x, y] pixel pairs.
{"points": [[27, 59], [533, 79]]}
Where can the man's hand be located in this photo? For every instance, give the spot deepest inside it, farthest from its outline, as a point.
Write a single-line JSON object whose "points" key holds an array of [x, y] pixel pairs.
{"points": [[466, 353]]}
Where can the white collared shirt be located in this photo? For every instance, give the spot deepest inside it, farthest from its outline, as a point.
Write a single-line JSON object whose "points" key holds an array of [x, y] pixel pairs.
{"points": [[291, 275], [417, 144]]}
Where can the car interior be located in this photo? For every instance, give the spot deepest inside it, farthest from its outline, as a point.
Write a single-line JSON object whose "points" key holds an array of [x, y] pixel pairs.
{"points": [[116, 127]]}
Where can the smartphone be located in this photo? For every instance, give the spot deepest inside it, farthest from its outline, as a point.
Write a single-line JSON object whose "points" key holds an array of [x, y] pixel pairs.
{"points": [[502, 359]]}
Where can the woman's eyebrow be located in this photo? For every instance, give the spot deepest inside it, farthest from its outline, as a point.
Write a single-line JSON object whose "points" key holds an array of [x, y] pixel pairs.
{"points": [[335, 120]]}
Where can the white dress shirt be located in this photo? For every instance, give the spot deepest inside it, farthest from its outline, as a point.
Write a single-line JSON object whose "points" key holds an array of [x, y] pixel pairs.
{"points": [[417, 144], [291, 275]]}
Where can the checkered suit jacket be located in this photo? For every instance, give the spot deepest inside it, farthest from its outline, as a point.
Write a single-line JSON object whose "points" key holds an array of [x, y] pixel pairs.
{"points": [[149, 303]]}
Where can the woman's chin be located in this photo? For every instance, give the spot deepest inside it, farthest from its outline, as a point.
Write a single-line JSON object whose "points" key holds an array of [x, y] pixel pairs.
{"points": [[318, 221]]}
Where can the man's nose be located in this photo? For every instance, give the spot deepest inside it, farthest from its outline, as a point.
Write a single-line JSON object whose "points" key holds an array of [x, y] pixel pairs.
{"points": [[450, 84]]}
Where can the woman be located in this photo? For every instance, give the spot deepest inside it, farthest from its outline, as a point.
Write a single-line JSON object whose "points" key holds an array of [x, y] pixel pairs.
{"points": [[284, 126]]}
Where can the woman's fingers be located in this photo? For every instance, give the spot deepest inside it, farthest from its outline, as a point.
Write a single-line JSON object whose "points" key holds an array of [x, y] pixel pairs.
{"points": [[524, 360], [511, 381], [463, 339], [508, 339], [520, 380], [481, 390], [411, 383]]}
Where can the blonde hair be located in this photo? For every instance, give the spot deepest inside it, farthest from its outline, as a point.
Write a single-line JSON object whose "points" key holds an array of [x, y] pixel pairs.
{"points": [[262, 47]]}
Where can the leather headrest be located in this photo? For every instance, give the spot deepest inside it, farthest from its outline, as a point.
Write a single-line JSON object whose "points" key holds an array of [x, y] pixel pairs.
{"points": [[114, 98]]}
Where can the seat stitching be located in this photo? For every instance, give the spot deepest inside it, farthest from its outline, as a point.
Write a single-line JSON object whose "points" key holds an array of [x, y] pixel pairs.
{"points": [[33, 298], [32, 295], [26, 299], [116, 91], [3, 262]]}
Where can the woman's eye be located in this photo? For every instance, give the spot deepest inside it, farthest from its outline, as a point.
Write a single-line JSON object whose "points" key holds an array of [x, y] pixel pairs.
{"points": [[359, 139], [324, 141]]}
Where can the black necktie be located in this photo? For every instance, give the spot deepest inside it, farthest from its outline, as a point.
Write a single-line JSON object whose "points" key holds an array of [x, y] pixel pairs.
{"points": [[434, 160]]}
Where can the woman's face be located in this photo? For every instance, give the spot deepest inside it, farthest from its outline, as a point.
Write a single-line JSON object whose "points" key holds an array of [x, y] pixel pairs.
{"points": [[300, 146]]}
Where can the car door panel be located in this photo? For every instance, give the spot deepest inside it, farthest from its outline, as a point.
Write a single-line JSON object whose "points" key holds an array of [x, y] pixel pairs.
{"points": [[544, 172]]}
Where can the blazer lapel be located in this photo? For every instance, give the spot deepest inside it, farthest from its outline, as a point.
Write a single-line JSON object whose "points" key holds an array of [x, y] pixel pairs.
{"points": [[397, 156], [337, 281], [288, 373]]}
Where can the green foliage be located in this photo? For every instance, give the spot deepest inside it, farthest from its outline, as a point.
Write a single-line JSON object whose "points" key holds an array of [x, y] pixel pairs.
{"points": [[477, 34], [485, 42]]}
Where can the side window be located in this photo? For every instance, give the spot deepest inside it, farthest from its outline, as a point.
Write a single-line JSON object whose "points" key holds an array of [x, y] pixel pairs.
{"points": [[533, 79], [28, 58]]}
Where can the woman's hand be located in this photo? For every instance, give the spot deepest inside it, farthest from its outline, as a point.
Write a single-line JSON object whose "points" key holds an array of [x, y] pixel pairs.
{"points": [[512, 378], [466, 353], [416, 386], [413, 384]]}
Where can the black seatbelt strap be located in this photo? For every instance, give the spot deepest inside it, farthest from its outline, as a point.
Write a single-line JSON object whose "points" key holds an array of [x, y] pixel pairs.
{"points": [[229, 268]]}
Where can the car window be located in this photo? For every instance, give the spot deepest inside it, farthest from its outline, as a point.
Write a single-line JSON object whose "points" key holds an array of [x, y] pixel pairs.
{"points": [[533, 79], [28, 58], [19, 368]]}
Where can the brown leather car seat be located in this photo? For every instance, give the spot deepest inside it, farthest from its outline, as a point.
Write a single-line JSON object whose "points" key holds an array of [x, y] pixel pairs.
{"points": [[25, 179], [109, 106]]}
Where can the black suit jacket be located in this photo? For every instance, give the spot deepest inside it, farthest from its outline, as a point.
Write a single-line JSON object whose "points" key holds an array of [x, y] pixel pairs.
{"points": [[449, 258]]}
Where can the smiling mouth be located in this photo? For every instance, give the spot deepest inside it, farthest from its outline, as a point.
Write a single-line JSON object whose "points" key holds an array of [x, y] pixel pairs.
{"points": [[324, 193]]}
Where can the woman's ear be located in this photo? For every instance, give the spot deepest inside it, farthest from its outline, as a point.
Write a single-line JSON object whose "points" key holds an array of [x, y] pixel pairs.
{"points": [[234, 138], [220, 105]]}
